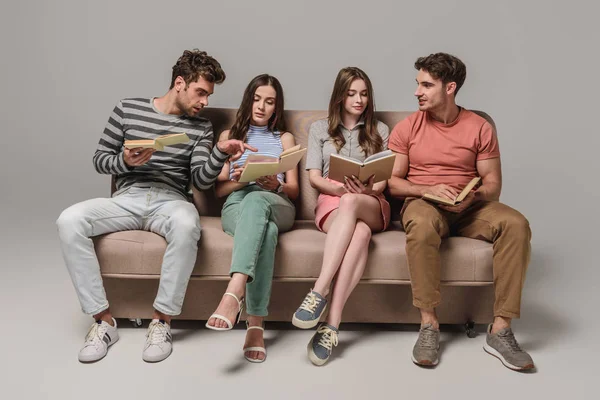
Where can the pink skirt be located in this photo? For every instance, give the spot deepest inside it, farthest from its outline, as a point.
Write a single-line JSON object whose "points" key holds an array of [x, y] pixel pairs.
{"points": [[326, 204]]}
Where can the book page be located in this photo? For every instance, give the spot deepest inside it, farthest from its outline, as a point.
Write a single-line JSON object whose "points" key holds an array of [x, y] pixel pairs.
{"points": [[437, 199], [255, 170], [173, 138], [467, 189], [143, 143], [376, 156], [290, 150], [258, 158], [347, 158], [380, 167], [290, 160]]}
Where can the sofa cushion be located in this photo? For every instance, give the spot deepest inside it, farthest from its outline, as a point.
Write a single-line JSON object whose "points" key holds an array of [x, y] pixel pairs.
{"points": [[299, 254]]}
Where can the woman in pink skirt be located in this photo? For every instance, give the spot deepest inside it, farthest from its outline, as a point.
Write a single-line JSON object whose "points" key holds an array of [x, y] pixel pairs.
{"points": [[348, 212]]}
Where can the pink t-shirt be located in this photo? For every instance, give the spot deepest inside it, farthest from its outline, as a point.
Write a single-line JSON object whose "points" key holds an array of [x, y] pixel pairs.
{"points": [[444, 153]]}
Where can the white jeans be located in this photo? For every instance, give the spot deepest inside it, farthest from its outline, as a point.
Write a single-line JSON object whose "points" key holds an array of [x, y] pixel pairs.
{"points": [[156, 209]]}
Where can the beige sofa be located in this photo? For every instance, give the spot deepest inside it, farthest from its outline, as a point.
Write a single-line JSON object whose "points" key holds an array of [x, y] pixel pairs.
{"points": [[131, 261]]}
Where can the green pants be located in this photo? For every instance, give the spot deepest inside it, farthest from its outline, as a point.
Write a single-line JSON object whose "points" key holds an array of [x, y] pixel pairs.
{"points": [[254, 217]]}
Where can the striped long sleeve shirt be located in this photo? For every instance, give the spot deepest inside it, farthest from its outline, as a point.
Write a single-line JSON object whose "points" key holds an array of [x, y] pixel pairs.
{"points": [[174, 166]]}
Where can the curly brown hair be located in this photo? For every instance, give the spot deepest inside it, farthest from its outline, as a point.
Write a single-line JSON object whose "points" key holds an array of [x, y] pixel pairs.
{"points": [[443, 66], [194, 64]]}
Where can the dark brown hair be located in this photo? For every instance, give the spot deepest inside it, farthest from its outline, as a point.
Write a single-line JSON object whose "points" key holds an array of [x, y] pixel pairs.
{"points": [[244, 114], [194, 64], [445, 67], [368, 137]]}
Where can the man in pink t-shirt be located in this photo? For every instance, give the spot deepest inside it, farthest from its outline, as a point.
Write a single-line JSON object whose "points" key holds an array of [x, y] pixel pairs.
{"points": [[439, 149]]}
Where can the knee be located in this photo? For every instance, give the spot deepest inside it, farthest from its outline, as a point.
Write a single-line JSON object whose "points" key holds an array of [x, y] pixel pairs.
{"points": [[422, 227], [517, 225], [272, 233], [256, 200], [362, 232], [349, 203], [70, 221], [185, 222]]}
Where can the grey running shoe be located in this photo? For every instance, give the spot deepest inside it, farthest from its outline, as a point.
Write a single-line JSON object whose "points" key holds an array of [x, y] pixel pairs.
{"points": [[308, 314], [321, 344], [503, 345], [426, 349]]}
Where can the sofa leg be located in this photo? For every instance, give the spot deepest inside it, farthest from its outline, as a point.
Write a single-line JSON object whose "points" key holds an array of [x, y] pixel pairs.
{"points": [[470, 329], [136, 322]]}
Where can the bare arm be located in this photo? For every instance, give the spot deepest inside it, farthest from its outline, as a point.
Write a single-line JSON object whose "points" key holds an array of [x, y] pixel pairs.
{"points": [[224, 186], [490, 171], [323, 185], [400, 187], [290, 186]]}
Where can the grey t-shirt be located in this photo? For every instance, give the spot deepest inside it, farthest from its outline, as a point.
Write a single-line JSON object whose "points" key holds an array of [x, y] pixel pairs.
{"points": [[321, 146]]}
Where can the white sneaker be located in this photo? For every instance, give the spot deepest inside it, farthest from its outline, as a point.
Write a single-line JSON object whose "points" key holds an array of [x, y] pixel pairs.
{"points": [[159, 342], [99, 338]]}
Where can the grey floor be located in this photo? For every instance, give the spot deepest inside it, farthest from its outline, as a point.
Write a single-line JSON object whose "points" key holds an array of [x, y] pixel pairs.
{"points": [[45, 330]]}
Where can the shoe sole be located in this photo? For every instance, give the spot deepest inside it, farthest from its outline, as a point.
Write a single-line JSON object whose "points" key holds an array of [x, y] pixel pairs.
{"points": [[298, 323], [98, 359], [425, 363], [152, 361], [490, 350], [313, 357], [256, 360]]}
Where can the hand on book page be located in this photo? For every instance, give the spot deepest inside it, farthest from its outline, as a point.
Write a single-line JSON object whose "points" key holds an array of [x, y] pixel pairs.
{"points": [[354, 185], [238, 169], [467, 202], [447, 195], [442, 191]]}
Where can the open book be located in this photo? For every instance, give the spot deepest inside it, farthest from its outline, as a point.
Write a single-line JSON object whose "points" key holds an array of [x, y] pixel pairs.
{"points": [[257, 165], [159, 143], [461, 196], [379, 164]]}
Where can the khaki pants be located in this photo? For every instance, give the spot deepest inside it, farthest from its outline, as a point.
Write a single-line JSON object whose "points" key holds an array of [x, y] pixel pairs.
{"points": [[426, 225]]}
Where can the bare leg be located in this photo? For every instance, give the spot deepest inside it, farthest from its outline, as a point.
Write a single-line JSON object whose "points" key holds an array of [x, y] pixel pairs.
{"points": [[228, 307], [340, 227], [350, 272]]}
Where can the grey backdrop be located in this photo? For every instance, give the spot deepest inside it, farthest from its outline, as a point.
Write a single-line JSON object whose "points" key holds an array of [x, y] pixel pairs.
{"points": [[532, 66]]}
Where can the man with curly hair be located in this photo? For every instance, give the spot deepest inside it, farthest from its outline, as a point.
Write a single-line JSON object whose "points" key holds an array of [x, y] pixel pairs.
{"points": [[152, 188]]}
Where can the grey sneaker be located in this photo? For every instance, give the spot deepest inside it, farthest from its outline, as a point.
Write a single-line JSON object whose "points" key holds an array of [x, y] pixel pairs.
{"points": [[503, 345], [321, 345], [308, 314], [427, 347]]}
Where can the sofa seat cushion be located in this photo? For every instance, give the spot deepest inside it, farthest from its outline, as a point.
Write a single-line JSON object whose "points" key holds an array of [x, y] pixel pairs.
{"points": [[299, 254]]}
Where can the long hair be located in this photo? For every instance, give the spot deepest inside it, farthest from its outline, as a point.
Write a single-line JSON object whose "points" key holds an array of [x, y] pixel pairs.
{"points": [[243, 117], [368, 137]]}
